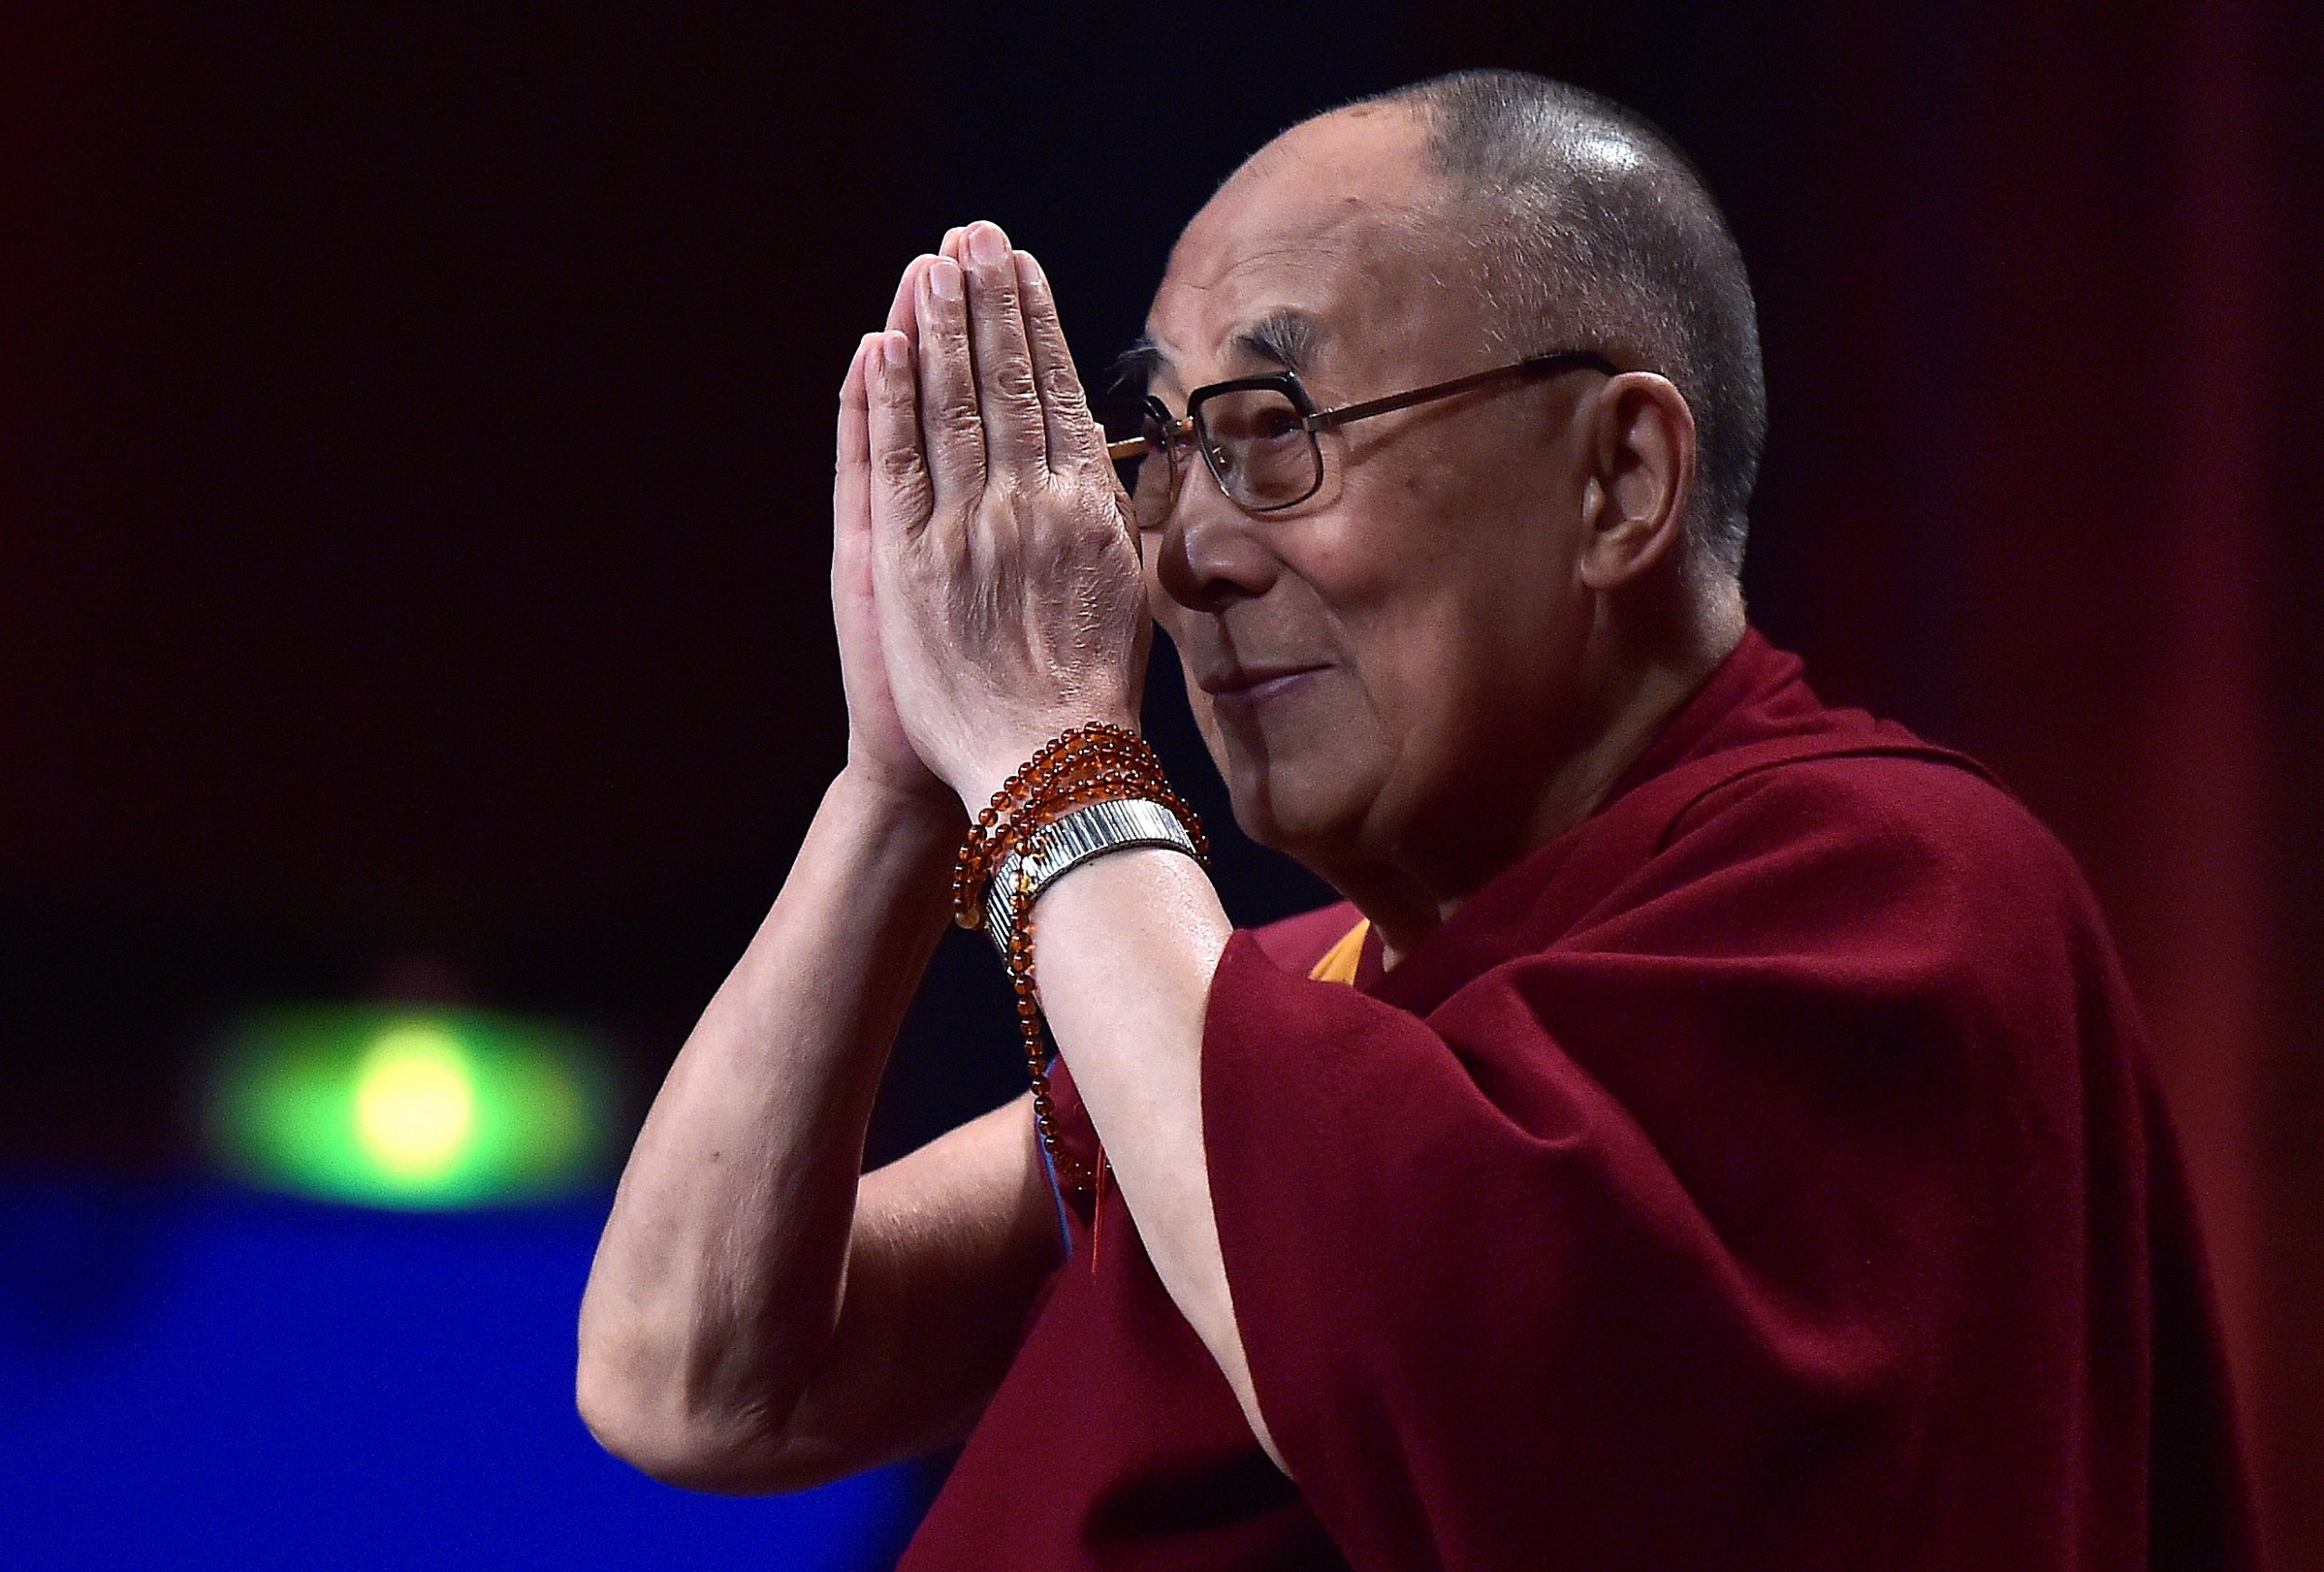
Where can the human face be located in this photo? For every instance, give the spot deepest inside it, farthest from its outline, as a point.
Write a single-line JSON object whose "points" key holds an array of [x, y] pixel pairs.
{"points": [[1380, 672]]}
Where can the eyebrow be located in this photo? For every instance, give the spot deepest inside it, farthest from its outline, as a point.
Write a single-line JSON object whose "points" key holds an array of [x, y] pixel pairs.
{"points": [[1135, 366], [1287, 337]]}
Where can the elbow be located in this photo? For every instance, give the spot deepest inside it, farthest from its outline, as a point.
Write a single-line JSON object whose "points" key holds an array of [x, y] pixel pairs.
{"points": [[654, 1429], [622, 1417], [612, 1413]]}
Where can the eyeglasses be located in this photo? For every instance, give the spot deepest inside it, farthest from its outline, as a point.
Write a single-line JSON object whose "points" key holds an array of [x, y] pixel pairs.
{"points": [[1261, 435]]}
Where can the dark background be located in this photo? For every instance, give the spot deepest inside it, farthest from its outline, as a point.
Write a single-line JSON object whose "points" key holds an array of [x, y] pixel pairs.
{"points": [[415, 433]]}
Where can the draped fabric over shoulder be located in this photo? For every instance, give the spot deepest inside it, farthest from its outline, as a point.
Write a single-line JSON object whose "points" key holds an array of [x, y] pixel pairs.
{"points": [[1769, 1173]]}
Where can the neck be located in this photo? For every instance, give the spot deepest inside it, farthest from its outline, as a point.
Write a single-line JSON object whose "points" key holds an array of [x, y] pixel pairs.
{"points": [[1630, 688]]}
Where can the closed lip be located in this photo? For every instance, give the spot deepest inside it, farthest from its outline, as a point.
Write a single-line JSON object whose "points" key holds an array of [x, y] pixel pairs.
{"points": [[1229, 681]]}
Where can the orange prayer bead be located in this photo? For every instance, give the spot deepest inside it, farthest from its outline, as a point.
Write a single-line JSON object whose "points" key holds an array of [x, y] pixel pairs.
{"points": [[1086, 764]]}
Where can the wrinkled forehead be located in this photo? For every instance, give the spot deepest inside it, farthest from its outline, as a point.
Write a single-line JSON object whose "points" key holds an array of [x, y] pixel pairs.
{"points": [[1320, 254]]}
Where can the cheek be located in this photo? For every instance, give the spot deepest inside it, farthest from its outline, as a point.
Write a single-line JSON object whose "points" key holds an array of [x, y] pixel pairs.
{"points": [[1417, 665], [1451, 672]]}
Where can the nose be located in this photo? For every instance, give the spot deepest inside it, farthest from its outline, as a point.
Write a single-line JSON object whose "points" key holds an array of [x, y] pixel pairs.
{"points": [[1212, 553]]}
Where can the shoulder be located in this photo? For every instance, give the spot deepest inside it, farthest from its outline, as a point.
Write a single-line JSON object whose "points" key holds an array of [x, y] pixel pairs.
{"points": [[1897, 908], [1892, 860], [1939, 820]]}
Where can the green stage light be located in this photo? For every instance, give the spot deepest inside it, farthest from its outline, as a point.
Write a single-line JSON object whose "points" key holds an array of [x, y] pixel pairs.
{"points": [[419, 1108]]}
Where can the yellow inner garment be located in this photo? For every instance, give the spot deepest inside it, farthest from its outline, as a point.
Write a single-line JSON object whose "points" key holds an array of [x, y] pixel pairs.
{"points": [[1340, 961]]}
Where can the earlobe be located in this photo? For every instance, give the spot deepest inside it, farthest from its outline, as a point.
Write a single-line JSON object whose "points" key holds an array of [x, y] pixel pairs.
{"points": [[1642, 459]]}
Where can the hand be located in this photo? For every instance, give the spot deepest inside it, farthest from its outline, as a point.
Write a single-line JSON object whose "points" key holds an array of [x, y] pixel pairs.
{"points": [[877, 749], [1005, 568]]}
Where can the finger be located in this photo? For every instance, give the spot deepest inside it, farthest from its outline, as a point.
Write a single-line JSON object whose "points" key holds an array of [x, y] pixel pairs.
{"points": [[1073, 438], [1014, 438], [902, 312], [902, 497], [951, 246], [952, 431], [850, 487]]}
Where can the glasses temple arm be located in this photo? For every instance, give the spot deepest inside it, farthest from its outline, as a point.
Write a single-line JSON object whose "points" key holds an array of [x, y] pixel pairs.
{"points": [[1137, 447], [1323, 420]]}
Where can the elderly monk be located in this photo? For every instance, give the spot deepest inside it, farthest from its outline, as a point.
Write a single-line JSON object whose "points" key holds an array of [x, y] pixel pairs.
{"points": [[1714, 1130]]}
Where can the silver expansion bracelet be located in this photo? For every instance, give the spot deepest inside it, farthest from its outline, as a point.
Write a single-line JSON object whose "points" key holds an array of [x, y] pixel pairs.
{"points": [[1067, 841]]}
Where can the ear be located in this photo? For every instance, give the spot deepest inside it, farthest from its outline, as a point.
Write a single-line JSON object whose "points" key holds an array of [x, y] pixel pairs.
{"points": [[1640, 453]]}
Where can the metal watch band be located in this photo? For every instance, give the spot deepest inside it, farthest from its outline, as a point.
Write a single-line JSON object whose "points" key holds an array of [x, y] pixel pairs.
{"points": [[1067, 841]]}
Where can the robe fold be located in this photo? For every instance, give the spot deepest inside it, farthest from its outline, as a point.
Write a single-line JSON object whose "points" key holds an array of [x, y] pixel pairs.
{"points": [[1769, 1173]]}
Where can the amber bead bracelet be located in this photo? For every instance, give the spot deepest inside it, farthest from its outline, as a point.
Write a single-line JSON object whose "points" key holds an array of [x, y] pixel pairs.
{"points": [[1086, 764]]}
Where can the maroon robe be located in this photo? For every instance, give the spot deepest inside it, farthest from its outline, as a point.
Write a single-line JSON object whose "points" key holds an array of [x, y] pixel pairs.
{"points": [[1770, 1173]]}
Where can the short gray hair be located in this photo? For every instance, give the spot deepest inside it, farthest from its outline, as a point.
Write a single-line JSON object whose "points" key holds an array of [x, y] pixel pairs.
{"points": [[1590, 229]]}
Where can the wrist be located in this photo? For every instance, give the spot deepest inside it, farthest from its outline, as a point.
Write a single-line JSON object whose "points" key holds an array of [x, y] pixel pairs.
{"points": [[1074, 839], [987, 775], [915, 813]]}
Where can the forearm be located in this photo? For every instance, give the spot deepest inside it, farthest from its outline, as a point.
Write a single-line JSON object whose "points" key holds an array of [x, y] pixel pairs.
{"points": [[1124, 950], [719, 1277], [1012, 608]]}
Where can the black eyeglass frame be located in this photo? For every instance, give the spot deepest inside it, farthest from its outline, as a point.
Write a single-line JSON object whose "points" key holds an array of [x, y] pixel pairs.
{"points": [[1315, 422]]}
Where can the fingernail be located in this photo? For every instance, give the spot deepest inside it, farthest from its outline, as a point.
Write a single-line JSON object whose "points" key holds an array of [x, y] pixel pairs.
{"points": [[943, 278], [1028, 270], [951, 240], [892, 351], [986, 245]]}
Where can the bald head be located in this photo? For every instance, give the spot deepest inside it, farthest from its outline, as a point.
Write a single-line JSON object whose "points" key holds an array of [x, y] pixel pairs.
{"points": [[1585, 227], [1375, 153], [1352, 193]]}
